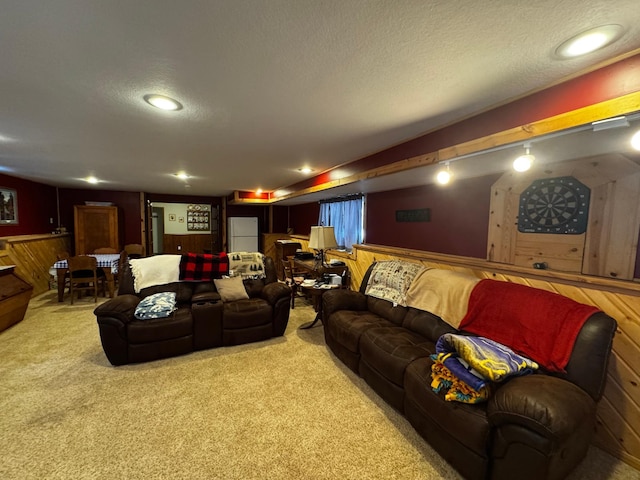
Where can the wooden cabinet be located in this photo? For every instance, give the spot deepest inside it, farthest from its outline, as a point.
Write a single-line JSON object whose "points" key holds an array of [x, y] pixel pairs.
{"points": [[14, 297], [96, 227]]}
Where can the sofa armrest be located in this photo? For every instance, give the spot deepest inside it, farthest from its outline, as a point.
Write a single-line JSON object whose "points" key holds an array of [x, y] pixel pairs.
{"points": [[272, 292], [341, 299], [121, 308], [550, 406]]}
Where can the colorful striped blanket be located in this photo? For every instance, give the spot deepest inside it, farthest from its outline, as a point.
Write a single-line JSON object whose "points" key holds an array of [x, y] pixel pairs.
{"points": [[465, 367]]}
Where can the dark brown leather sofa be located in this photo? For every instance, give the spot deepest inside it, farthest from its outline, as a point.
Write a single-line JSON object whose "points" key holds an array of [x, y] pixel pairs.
{"points": [[201, 320], [532, 427]]}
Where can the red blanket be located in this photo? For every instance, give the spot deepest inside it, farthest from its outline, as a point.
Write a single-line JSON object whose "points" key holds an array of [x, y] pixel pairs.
{"points": [[535, 323], [196, 267]]}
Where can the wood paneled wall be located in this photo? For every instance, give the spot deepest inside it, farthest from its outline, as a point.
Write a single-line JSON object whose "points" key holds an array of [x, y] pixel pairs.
{"points": [[33, 256], [618, 425], [200, 243]]}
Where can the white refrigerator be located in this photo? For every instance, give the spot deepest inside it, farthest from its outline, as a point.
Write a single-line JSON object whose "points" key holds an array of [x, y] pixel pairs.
{"points": [[242, 234]]}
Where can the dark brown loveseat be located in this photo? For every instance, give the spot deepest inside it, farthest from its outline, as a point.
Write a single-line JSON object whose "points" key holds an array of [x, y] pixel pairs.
{"points": [[200, 321], [532, 427]]}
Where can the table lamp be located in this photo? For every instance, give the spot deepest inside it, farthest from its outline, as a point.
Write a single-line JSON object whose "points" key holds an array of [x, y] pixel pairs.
{"points": [[321, 239]]}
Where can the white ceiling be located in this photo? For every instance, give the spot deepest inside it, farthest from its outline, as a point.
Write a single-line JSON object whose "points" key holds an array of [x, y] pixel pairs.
{"points": [[267, 86]]}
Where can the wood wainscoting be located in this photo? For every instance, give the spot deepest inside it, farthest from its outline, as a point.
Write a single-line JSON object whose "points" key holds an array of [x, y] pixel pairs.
{"points": [[618, 422], [33, 256], [198, 243]]}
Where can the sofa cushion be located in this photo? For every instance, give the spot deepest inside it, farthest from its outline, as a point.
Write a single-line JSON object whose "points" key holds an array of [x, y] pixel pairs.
{"points": [[386, 310], [158, 305], [347, 326], [388, 350], [179, 324], [246, 313], [468, 423], [426, 324], [231, 289], [183, 291]]}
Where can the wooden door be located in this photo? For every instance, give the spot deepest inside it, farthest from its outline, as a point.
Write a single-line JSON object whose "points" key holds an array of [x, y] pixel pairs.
{"points": [[95, 227]]}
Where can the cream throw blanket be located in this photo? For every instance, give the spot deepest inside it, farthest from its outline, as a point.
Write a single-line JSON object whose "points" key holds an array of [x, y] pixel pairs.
{"points": [[156, 270], [444, 293]]}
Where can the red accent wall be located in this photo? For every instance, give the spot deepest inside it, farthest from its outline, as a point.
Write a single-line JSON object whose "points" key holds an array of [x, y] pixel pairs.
{"points": [[280, 219], [459, 217], [303, 216], [36, 207]]}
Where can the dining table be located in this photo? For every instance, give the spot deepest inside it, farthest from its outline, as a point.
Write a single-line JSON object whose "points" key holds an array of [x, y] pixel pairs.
{"points": [[108, 262]]}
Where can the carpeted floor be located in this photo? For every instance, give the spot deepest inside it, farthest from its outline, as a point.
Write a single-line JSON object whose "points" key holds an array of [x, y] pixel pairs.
{"points": [[280, 409]]}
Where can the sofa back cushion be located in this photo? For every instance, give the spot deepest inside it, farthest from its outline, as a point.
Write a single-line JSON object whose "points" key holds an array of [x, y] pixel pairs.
{"points": [[426, 324], [254, 286], [183, 291], [386, 310]]}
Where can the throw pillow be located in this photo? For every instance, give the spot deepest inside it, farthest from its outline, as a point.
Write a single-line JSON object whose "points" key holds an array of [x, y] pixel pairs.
{"points": [[158, 305], [390, 280], [230, 289]]}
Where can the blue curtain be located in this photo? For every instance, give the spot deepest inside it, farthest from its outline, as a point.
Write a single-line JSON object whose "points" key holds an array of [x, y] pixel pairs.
{"points": [[346, 218]]}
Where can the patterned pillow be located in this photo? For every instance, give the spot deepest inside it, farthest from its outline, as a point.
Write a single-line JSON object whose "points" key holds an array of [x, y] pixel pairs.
{"points": [[390, 280], [158, 305]]}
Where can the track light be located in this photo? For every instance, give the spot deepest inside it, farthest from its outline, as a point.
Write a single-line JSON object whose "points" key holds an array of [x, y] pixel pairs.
{"points": [[635, 140], [524, 162], [444, 176]]}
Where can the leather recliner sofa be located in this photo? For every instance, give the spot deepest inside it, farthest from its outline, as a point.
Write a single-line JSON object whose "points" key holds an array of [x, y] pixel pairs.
{"points": [[533, 427], [201, 320]]}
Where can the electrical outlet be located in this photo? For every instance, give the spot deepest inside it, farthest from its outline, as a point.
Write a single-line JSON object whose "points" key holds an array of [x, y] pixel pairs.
{"points": [[51, 220], [179, 247]]}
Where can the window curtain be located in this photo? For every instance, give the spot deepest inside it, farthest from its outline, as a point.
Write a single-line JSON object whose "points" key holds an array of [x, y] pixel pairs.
{"points": [[345, 216]]}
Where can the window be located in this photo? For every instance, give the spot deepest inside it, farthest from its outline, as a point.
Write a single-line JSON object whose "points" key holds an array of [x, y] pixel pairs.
{"points": [[346, 216]]}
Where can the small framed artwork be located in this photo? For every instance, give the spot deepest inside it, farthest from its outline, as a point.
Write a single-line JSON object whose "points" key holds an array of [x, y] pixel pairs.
{"points": [[8, 206]]}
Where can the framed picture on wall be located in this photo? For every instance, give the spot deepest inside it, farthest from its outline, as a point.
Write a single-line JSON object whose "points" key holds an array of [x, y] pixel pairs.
{"points": [[8, 206]]}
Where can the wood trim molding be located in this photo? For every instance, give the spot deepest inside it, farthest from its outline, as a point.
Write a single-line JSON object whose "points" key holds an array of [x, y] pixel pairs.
{"points": [[587, 281]]}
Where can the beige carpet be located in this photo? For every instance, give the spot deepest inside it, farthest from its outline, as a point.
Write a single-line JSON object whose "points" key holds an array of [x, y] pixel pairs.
{"points": [[280, 409]]}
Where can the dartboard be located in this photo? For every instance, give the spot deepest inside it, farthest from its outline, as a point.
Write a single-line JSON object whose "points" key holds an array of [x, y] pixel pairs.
{"points": [[554, 205]]}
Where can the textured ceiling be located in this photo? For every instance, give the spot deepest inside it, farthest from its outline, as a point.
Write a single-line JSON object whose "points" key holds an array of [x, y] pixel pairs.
{"points": [[267, 86]]}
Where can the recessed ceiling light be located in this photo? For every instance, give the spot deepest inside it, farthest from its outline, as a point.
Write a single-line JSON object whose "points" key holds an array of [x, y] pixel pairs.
{"points": [[162, 102], [258, 191], [182, 175], [93, 180], [589, 41], [305, 170]]}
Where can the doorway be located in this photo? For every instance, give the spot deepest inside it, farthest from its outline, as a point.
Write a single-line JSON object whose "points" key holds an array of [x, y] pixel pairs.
{"points": [[157, 223]]}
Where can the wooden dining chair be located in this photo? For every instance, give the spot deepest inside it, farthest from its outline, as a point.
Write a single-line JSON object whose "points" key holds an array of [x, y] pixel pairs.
{"points": [[293, 277], [105, 250], [83, 275], [134, 250], [64, 256]]}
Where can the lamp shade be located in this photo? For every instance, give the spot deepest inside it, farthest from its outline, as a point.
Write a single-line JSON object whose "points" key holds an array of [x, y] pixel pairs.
{"points": [[322, 238]]}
